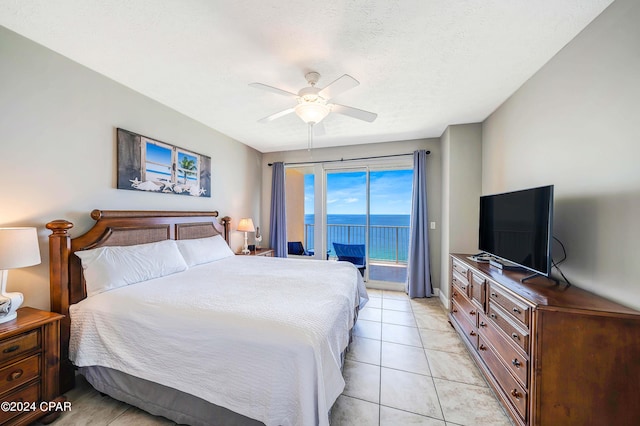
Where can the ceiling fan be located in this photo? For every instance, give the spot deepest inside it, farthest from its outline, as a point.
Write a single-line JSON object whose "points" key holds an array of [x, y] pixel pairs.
{"points": [[313, 103]]}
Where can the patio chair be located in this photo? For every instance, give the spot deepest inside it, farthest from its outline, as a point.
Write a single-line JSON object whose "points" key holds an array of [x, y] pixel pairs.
{"points": [[296, 248], [353, 253]]}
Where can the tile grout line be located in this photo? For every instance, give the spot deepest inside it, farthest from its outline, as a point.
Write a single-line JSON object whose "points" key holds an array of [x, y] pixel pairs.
{"points": [[430, 371]]}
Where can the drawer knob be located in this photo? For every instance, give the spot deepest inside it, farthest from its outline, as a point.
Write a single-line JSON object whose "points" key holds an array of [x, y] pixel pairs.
{"points": [[516, 310], [472, 313], [11, 349], [463, 287], [494, 294], [15, 375], [455, 294], [472, 333], [515, 362], [515, 336], [516, 394], [483, 324], [454, 310], [482, 348], [494, 316]]}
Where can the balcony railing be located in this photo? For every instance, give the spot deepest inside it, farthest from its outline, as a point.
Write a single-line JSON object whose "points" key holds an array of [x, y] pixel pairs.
{"points": [[386, 243]]}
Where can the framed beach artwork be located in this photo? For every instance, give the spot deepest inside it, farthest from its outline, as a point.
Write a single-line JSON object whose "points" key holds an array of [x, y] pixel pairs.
{"points": [[146, 164]]}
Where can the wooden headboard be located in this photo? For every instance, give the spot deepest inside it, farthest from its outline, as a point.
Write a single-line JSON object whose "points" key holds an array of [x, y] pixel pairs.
{"points": [[112, 228]]}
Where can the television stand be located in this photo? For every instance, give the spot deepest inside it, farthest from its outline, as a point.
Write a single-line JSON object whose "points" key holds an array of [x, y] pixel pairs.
{"points": [[528, 277], [504, 267]]}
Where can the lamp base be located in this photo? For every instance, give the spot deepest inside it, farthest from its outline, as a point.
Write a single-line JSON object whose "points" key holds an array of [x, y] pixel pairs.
{"points": [[245, 251], [9, 304]]}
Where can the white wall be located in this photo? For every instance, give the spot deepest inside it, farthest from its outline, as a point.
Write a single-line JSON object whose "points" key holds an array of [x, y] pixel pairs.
{"points": [[58, 152], [434, 176], [574, 124], [461, 187]]}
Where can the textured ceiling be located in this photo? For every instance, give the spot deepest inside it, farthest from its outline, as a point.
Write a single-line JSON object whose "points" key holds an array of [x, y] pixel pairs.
{"points": [[422, 64]]}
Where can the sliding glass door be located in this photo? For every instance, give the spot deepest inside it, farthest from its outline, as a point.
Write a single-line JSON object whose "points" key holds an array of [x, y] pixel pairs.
{"points": [[367, 218]]}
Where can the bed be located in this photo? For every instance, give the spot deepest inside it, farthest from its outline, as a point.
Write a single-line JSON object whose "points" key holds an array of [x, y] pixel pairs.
{"points": [[237, 340]]}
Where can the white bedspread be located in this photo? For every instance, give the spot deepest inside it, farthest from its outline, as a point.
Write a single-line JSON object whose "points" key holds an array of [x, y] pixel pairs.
{"points": [[259, 336]]}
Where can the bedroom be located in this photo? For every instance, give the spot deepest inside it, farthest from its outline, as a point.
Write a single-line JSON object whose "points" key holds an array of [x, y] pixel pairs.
{"points": [[574, 118]]}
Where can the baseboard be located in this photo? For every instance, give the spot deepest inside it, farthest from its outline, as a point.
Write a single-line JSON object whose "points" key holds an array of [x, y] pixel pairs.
{"points": [[385, 285]]}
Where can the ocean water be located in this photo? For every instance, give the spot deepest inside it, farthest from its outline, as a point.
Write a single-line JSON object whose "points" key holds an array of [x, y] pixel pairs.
{"points": [[388, 234]]}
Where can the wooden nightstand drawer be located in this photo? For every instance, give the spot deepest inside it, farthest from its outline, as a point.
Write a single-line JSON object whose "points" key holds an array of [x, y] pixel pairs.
{"points": [[21, 372], [18, 373], [15, 346], [28, 394]]}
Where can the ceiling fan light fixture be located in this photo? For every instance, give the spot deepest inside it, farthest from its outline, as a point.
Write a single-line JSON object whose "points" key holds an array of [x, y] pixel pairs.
{"points": [[312, 112]]}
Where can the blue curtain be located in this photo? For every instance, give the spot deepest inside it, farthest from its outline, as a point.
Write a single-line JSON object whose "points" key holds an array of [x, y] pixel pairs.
{"points": [[278, 222], [418, 268]]}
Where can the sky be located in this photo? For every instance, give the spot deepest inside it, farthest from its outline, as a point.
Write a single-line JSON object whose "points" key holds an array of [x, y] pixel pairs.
{"points": [[390, 192]]}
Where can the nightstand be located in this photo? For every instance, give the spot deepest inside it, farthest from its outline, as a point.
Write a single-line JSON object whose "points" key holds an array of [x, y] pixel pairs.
{"points": [[266, 252], [29, 366]]}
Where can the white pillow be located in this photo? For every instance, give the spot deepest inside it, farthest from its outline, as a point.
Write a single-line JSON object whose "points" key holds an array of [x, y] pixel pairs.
{"points": [[106, 268], [204, 250]]}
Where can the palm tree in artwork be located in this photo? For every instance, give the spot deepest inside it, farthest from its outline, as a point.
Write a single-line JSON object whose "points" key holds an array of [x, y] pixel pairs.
{"points": [[187, 167]]}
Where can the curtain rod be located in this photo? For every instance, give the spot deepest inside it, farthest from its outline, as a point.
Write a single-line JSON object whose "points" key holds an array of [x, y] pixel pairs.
{"points": [[348, 159]]}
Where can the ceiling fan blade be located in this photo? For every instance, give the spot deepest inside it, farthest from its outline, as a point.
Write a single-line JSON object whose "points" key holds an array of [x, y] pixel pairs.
{"points": [[276, 115], [340, 85], [319, 129], [273, 90], [360, 114]]}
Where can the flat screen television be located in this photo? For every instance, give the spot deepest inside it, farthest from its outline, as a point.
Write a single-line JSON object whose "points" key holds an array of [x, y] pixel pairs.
{"points": [[517, 227]]}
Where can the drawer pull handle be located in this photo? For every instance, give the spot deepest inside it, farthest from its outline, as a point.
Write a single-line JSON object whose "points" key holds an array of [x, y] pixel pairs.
{"points": [[494, 316], [516, 310], [494, 294], [482, 348], [454, 310], [515, 362], [515, 336], [516, 394], [455, 294], [463, 287], [11, 349], [483, 324], [472, 313], [472, 333], [15, 375]]}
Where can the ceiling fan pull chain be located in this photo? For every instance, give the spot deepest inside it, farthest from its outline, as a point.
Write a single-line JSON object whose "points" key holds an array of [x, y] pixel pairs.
{"points": [[310, 137]]}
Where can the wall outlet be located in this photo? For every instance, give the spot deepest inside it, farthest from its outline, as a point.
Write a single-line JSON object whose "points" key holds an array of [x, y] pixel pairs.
{"points": [[432, 225]]}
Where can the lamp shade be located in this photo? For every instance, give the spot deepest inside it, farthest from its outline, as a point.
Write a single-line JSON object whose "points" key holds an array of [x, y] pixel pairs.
{"points": [[246, 225], [18, 248]]}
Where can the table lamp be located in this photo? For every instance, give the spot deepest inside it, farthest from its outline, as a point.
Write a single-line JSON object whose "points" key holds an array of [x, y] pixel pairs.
{"points": [[246, 225], [18, 248]]}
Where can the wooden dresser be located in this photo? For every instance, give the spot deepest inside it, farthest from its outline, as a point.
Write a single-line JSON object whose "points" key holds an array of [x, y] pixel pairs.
{"points": [[29, 366], [554, 355]]}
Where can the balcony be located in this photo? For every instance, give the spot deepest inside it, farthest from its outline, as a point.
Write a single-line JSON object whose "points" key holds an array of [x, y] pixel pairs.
{"points": [[388, 247]]}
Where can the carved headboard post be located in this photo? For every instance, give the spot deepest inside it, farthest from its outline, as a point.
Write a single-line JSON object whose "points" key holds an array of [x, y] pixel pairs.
{"points": [[226, 222], [59, 250]]}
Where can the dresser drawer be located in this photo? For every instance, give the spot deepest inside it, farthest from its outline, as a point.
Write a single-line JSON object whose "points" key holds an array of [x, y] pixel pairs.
{"points": [[513, 358], [504, 321], [509, 385], [460, 282], [516, 308], [28, 394], [477, 286], [468, 309], [18, 373], [462, 318], [460, 268], [17, 345]]}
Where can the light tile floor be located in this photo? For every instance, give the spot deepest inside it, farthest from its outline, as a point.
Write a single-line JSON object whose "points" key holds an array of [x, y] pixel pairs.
{"points": [[405, 366]]}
